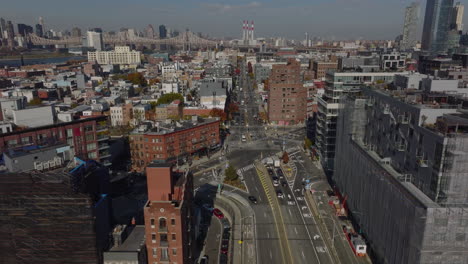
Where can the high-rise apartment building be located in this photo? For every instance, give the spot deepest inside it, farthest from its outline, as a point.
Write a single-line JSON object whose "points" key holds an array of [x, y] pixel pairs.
{"points": [[169, 216], [437, 20], [401, 161], [457, 17], [95, 40], [2, 28], [338, 84], [24, 30], [287, 97], [408, 40]]}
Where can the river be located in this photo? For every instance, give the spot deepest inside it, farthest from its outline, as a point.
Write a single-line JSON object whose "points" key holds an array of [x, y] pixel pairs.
{"points": [[17, 62]]}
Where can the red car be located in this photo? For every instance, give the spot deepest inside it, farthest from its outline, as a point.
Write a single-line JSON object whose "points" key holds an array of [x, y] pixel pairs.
{"points": [[218, 213]]}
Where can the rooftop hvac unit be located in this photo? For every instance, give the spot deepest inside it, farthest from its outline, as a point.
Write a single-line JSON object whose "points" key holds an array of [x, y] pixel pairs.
{"points": [[38, 166], [58, 161], [386, 161], [45, 164], [52, 164]]}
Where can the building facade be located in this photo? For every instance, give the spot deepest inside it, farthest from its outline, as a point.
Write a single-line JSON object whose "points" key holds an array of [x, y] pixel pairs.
{"points": [[121, 56], [87, 138], [320, 68], [408, 40], [437, 20], [121, 115], [337, 85], [172, 143], [287, 96], [169, 216], [402, 168]]}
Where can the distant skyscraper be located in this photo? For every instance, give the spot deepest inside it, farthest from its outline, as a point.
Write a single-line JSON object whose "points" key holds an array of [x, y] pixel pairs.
{"points": [[39, 30], [162, 31], [409, 28], [2, 28], [10, 30], [149, 31], [41, 22], [95, 40], [457, 17], [23, 29], [76, 32], [437, 20]]}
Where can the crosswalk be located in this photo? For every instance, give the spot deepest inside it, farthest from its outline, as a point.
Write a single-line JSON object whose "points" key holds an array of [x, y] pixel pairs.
{"points": [[246, 168]]}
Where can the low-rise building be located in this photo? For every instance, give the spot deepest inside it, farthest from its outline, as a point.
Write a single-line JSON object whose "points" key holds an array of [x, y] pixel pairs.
{"points": [[173, 141], [129, 246], [121, 55]]}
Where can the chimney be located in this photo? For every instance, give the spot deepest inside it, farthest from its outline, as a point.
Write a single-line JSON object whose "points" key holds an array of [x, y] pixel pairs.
{"points": [[252, 31], [244, 33]]}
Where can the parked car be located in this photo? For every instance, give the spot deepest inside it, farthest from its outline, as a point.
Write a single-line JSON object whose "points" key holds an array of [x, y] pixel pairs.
{"points": [[270, 172], [218, 213], [253, 199], [284, 183]]}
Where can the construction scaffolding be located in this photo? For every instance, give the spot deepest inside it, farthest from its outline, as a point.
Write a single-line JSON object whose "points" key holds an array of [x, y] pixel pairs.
{"points": [[401, 223]]}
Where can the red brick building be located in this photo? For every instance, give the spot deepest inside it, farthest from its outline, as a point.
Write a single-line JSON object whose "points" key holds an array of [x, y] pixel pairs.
{"points": [[88, 138], [172, 142], [169, 221], [287, 96]]}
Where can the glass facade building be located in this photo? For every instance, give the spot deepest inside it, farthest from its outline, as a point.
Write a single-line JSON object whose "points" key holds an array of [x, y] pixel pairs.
{"points": [[437, 26]]}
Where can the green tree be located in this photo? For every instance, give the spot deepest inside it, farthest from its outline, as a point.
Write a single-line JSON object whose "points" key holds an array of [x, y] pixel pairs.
{"points": [[231, 173], [35, 101], [169, 98]]}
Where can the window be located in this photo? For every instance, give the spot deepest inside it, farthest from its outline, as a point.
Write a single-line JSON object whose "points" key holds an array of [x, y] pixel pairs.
{"points": [[154, 252], [12, 142], [92, 155], [89, 128], [172, 221], [91, 146], [173, 236], [153, 237], [90, 137], [152, 222], [174, 252], [162, 223], [164, 254], [69, 133]]}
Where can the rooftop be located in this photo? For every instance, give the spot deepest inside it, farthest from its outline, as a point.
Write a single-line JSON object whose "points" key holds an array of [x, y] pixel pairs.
{"points": [[167, 128], [134, 241]]}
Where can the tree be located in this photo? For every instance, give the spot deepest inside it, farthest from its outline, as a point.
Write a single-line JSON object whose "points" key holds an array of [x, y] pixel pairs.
{"points": [[216, 112], [231, 173], [307, 143], [249, 67], [285, 157], [136, 78], [35, 101], [169, 98]]}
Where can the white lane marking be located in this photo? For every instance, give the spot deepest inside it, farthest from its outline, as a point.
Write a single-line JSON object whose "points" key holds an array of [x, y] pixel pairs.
{"points": [[271, 255], [303, 254], [268, 234], [295, 230], [289, 210]]}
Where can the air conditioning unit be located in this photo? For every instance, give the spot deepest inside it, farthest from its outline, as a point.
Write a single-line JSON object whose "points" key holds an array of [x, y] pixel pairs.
{"points": [[52, 164], [45, 164], [386, 161], [38, 166], [58, 161]]}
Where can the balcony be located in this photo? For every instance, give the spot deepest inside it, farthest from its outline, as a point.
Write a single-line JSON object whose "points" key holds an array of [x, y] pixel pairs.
{"points": [[103, 146], [101, 128], [103, 137], [104, 154]]}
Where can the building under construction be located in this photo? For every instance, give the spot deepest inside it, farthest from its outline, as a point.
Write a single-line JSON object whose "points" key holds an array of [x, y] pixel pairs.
{"points": [[58, 216], [402, 164]]}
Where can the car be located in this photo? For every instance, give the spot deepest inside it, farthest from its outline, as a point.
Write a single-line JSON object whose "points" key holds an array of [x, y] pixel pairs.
{"points": [[270, 172], [280, 194], [284, 183], [218, 213], [226, 234], [204, 259], [226, 225], [224, 246], [253, 199], [279, 172], [275, 183], [208, 207]]}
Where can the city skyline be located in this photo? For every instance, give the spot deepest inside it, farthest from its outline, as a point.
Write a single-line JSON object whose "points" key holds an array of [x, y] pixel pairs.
{"points": [[318, 18]]}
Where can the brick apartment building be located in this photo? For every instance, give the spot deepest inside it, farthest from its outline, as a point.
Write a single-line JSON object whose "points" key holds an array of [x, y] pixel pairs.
{"points": [[169, 221], [287, 97], [88, 138], [320, 68], [174, 141]]}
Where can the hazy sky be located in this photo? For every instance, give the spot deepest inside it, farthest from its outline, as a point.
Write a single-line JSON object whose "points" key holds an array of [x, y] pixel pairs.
{"points": [[372, 19]]}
